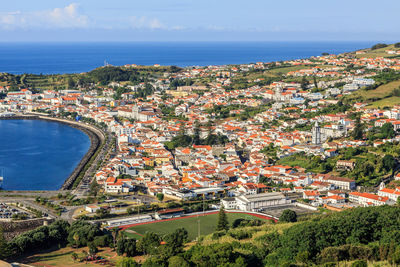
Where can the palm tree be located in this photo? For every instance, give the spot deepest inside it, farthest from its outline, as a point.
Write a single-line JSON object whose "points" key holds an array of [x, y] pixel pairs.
{"points": [[114, 233]]}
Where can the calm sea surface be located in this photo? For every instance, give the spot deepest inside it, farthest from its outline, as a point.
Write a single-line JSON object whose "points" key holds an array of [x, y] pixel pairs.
{"points": [[81, 57], [39, 155]]}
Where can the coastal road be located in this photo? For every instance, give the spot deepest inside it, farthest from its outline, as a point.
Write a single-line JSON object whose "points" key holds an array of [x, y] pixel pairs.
{"points": [[84, 186]]}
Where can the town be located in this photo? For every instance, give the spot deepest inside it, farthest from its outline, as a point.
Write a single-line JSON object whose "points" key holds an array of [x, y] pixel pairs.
{"points": [[260, 137]]}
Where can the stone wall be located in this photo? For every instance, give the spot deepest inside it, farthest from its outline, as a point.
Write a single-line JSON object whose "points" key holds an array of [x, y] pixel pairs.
{"points": [[14, 228]]}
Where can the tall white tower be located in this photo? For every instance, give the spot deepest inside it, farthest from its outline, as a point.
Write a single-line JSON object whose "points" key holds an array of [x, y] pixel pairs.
{"points": [[316, 134]]}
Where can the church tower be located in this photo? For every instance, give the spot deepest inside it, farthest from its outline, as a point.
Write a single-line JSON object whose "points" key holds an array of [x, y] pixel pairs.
{"points": [[316, 134], [135, 112], [278, 92]]}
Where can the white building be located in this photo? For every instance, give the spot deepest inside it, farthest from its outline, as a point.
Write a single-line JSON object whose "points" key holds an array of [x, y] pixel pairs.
{"points": [[392, 194], [259, 201], [229, 203], [368, 199]]}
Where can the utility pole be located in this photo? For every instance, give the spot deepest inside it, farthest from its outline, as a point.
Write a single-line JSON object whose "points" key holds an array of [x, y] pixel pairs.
{"points": [[198, 227], [198, 220]]}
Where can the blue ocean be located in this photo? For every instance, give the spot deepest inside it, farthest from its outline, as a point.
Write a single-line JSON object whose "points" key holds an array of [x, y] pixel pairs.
{"points": [[39, 155], [52, 58]]}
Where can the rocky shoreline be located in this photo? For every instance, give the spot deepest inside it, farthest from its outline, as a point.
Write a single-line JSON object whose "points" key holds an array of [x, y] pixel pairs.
{"points": [[95, 135]]}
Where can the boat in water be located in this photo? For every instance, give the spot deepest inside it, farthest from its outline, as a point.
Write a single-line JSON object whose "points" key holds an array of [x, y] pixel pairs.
{"points": [[1, 178]]}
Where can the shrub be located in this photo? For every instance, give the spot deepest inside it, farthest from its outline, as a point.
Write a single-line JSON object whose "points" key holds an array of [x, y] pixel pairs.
{"points": [[288, 216], [244, 223], [240, 234], [359, 263], [218, 234]]}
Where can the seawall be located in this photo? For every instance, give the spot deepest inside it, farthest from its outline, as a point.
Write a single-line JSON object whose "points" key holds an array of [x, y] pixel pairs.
{"points": [[95, 135]]}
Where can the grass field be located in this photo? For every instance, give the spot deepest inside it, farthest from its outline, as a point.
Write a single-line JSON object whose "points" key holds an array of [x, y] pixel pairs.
{"points": [[386, 102], [63, 257], [378, 52], [380, 92], [207, 225]]}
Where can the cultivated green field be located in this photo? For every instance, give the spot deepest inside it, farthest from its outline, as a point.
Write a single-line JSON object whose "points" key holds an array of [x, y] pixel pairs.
{"points": [[208, 224]]}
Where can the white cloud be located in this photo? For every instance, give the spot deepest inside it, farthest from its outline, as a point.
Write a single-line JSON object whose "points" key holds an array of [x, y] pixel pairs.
{"points": [[67, 17], [64, 17], [146, 23]]}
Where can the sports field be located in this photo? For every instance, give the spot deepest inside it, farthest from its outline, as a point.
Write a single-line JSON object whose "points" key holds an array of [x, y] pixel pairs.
{"points": [[207, 225]]}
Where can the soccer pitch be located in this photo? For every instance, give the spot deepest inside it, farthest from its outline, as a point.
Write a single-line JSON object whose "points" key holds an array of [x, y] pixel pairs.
{"points": [[208, 224]]}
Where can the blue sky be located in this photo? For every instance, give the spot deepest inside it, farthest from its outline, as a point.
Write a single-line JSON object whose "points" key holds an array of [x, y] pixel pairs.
{"points": [[201, 20]]}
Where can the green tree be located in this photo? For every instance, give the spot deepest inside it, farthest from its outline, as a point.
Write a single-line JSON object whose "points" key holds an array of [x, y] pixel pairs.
{"points": [[303, 257], [127, 262], [389, 162], [130, 210], [173, 243], [378, 46], [304, 83], [388, 130], [288, 216], [359, 263], [71, 83], [177, 261], [92, 248], [222, 223], [358, 131], [160, 196], [315, 82], [102, 212], [5, 250], [196, 133], [126, 246], [396, 256], [154, 262], [149, 243]]}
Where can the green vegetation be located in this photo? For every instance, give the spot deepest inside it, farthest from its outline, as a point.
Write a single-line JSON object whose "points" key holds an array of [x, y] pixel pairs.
{"points": [[100, 76], [224, 111], [288, 216], [183, 140], [372, 163], [358, 131], [222, 223], [310, 163], [385, 102], [174, 83], [383, 92], [378, 46], [384, 132], [357, 235], [45, 202]]}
